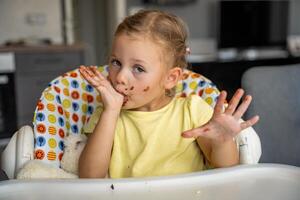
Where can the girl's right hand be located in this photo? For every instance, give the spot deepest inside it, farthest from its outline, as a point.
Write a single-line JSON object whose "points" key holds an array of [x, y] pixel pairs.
{"points": [[111, 99]]}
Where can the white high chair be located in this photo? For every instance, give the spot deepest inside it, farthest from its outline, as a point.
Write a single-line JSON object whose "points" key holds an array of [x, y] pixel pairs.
{"points": [[66, 105]]}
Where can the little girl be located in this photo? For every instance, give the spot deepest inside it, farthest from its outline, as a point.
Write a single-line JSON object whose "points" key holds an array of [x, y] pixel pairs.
{"points": [[141, 130]]}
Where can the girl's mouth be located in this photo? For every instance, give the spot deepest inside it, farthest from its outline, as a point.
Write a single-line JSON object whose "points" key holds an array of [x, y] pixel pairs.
{"points": [[125, 96]]}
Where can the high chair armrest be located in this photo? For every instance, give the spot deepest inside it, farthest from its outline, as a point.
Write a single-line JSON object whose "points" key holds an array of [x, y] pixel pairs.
{"points": [[249, 146], [8, 157], [25, 146], [18, 151]]}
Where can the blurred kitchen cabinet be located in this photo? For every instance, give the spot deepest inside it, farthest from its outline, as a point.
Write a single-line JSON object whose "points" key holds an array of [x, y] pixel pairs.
{"points": [[35, 68]]}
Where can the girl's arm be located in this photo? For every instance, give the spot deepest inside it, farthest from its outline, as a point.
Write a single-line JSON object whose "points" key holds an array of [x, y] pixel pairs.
{"points": [[95, 157], [219, 155], [216, 137]]}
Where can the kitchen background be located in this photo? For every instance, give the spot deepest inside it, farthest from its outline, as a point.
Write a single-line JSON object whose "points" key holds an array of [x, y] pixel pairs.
{"points": [[92, 22], [41, 39]]}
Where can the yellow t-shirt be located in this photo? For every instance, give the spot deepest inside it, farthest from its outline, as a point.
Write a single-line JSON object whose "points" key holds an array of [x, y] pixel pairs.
{"points": [[150, 143]]}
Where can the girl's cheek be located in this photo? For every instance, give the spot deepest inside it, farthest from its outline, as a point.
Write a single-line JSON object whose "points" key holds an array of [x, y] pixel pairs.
{"points": [[108, 78]]}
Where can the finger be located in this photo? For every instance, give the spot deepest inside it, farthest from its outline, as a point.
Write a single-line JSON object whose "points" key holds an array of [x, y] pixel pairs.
{"points": [[234, 101], [82, 69], [94, 73], [220, 103], [243, 107], [94, 81], [104, 80], [88, 71], [98, 76], [196, 132], [97, 73], [249, 122], [84, 73]]}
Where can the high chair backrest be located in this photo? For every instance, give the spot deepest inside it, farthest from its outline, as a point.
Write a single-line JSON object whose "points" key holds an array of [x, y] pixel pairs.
{"points": [[68, 102], [279, 110]]}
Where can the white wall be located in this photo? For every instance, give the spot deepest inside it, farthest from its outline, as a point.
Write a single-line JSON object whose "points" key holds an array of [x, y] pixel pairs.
{"points": [[30, 18]]}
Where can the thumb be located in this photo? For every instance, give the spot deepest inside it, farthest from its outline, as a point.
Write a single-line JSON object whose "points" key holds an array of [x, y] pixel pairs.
{"points": [[196, 132]]}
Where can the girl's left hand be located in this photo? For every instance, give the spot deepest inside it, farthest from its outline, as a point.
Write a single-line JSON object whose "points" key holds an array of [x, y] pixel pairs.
{"points": [[224, 126]]}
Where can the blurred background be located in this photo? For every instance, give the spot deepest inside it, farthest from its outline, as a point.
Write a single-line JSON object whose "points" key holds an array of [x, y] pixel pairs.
{"points": [[92, 22], [41, 39]]}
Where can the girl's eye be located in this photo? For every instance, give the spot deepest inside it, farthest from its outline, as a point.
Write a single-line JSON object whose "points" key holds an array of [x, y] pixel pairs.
{"points": [[138, 69], [115, 62]]}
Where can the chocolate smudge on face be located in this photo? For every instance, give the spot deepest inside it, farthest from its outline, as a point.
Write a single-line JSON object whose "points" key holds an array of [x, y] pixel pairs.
{"points": [[132, 88], [146, 89], [125, 100], [124, 103]]}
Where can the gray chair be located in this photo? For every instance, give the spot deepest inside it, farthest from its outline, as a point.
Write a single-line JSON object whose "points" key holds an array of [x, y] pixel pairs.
{"points": [[276, 99]]}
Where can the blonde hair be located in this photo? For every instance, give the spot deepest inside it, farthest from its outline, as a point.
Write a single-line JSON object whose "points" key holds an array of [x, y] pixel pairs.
{"points": [[164, 28]]}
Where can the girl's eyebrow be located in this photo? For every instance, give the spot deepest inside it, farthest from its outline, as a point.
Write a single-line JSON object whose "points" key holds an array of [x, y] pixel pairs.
{"points": [[134, 60], [139, 61]]}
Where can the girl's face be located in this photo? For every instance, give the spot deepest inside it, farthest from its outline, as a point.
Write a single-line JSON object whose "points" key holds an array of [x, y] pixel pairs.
{"points": [[137, 70]]}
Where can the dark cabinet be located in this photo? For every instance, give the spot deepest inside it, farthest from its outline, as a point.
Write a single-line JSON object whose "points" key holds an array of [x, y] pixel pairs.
{"points": [[35, 68], [227, 74]]}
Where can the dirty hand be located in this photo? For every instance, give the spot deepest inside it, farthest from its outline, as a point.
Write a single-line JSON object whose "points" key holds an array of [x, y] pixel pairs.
{"points": [[110, 97], [224, 126]]}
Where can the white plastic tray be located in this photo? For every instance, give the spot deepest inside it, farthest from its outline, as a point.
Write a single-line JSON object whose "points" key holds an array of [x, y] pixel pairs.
{"points": [[255, 182]]}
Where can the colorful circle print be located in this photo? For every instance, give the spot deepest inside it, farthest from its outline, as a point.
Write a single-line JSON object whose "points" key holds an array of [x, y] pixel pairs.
{"points": [[40, 141], [41, 128], [39, 154], [75, 84], [51, 155], [40, 117], [61, 121], [52, 143], [52, 130], [66, 103]]}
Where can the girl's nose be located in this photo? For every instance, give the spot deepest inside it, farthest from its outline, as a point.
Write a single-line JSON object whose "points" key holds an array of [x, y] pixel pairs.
{"points": [[121, 77], [122, 80]]}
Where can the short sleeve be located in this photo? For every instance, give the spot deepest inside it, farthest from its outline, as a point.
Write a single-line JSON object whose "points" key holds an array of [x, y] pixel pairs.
{"points": [[200, 111], [90, 126]]}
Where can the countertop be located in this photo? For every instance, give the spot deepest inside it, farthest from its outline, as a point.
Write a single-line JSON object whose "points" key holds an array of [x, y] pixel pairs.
{"points": [[42, 48]]}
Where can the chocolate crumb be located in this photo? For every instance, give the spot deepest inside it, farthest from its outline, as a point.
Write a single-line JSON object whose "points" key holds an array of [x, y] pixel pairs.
{"points": [[112, 186]]}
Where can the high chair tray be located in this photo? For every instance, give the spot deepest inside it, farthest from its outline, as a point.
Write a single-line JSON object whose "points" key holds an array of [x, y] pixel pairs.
{"points": [[261, 181]]}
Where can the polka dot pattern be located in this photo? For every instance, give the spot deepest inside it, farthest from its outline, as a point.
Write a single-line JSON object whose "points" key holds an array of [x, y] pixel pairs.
{"points": [[193, 83], [63, 109], [68, 102]]}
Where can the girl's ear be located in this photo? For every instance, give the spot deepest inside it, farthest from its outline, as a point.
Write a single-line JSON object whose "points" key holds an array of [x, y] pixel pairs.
{"points": [[173, 76]]}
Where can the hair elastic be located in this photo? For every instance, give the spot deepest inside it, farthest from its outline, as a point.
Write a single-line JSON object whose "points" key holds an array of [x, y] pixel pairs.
{"points": [[188, 50]]}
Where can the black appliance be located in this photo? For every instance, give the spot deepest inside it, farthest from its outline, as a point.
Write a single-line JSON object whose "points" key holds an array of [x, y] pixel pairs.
{"points": [[8, 118], [253, 24]]}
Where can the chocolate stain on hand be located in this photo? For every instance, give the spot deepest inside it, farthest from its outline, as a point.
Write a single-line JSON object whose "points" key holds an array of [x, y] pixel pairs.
{"points": [[206, 129]]}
